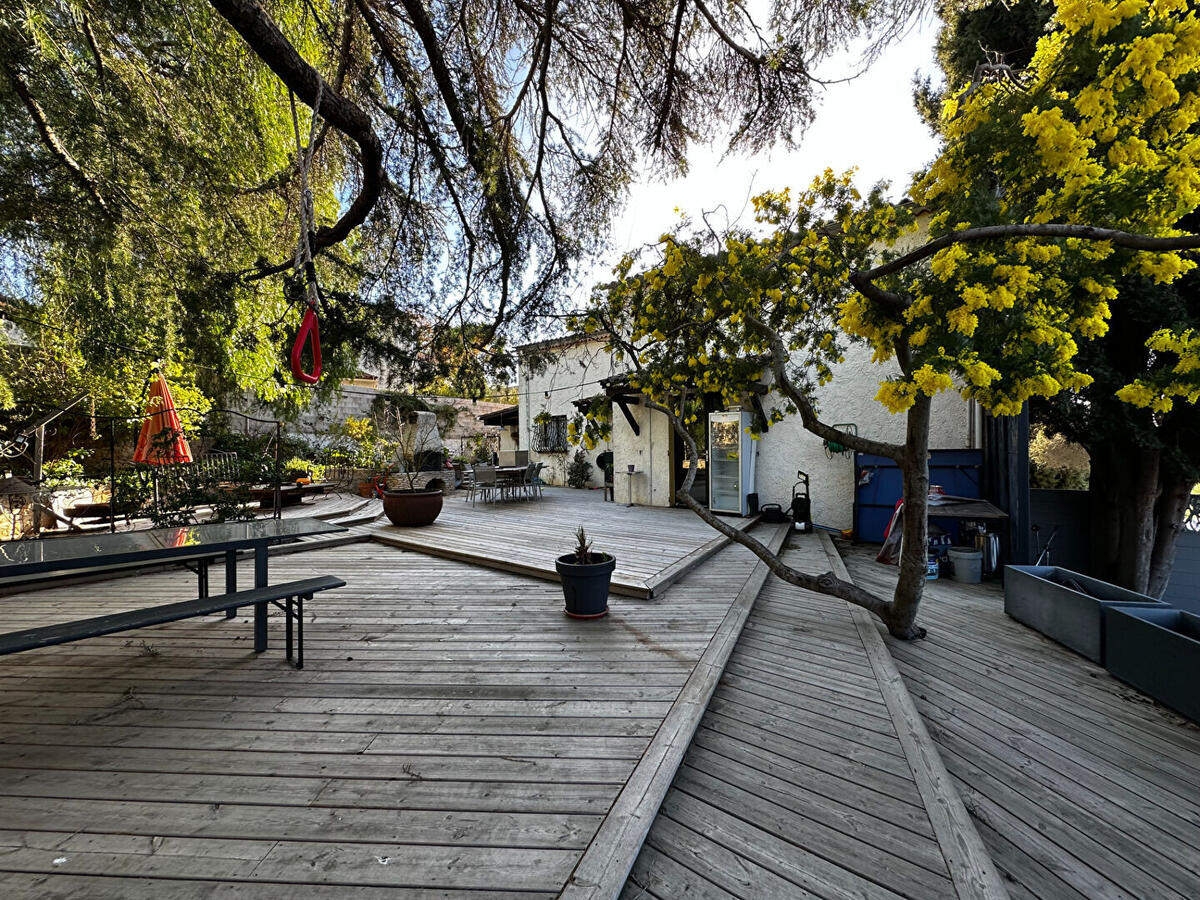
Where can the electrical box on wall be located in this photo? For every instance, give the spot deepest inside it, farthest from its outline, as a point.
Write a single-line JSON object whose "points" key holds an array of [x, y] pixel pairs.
{"points": [[731, 452]]}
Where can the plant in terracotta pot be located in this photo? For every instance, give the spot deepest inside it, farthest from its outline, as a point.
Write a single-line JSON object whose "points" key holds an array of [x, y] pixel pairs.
{"points": [[417, 441], [585, 576]]}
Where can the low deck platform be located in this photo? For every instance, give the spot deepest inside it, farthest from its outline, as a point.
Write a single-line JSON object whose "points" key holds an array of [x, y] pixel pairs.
{"points": [[453, 735], [653, 546], [802, 780]]}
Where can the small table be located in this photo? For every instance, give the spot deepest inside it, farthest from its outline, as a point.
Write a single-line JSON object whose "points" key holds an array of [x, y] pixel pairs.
{"points": [[630, 473], [191, 542], [290, 493]]}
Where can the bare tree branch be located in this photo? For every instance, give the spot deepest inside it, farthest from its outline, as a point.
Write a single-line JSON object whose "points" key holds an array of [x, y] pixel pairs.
{"points": [[1128, 240], [808, 415], [825, 583]]}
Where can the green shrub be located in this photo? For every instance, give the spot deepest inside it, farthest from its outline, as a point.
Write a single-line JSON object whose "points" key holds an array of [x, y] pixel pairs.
{"points": [[1057, 478], [579, 473]]}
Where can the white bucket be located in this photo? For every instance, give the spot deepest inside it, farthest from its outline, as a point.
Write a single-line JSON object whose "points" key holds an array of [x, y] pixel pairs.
{"points": [[968, 564]]}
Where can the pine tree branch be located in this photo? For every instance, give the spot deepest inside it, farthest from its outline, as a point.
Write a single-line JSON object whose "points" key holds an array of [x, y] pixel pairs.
{"points": [[263, 36], [50, 139]]}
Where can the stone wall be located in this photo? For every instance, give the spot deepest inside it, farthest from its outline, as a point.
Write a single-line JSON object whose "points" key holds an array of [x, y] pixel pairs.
{"points": [[352, 401], [423, 480]]}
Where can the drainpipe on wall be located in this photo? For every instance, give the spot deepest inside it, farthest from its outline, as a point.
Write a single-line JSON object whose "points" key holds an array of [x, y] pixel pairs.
{"points": [[650, 459]]}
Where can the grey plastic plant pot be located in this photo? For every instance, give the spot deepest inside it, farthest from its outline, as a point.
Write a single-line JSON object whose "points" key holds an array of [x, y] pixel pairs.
{"points": [[585, 586], [1158, 652], [1032, 595]]}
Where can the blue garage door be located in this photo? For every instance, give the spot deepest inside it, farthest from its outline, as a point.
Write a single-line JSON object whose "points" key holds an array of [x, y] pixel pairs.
{"points": [[880, 485]]}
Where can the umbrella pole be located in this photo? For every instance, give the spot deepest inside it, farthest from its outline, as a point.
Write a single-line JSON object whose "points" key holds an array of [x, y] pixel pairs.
{"points": [[112, 475]]}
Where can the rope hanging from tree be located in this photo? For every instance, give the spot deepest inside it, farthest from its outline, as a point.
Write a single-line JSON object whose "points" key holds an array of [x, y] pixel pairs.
{"points": [[304, 267]]}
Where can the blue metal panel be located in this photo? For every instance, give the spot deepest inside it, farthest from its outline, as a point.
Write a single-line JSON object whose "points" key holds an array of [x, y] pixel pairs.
{"points": [[956, 471]]}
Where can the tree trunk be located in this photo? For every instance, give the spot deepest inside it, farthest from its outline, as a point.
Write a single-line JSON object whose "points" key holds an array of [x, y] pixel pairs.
{"points": [[1174, 495], [1125, 491], [1138, 522], [1137, 508], [902, 614]]}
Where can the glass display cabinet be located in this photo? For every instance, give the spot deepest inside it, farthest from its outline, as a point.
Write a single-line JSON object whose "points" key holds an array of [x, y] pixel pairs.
{"points": [[731, 453]]}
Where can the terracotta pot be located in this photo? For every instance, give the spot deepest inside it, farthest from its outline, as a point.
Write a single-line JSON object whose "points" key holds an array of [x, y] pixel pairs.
{"points": [[412, 508]]}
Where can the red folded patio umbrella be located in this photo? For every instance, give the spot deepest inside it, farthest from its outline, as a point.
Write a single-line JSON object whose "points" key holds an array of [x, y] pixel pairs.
{"points": [[161, 441]]}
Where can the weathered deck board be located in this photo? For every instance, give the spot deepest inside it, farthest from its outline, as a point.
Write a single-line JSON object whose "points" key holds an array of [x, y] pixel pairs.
{"points": [[452, 733], [796, 784], [1081, 786]]}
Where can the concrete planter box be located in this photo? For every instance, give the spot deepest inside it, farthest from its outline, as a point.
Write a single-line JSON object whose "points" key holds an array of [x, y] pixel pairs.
{"points": [[1157, 650], [1034, 596]]}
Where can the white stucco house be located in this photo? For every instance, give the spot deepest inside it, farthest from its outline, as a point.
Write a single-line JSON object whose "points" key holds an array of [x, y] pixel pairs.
{"points": [[576, 367]]}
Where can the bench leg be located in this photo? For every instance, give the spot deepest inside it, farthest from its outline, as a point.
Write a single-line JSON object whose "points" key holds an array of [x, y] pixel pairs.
{"points": [[231, 579], [300, 631], [260, 609], [202, 578], [288, 612]]}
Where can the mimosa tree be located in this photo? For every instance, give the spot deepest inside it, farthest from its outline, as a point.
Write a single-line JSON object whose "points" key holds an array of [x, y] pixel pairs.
{"points": [[1052, 187]]}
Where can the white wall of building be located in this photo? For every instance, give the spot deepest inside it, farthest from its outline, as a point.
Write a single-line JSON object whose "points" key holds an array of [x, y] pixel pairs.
{"points": [[574, 374], [787, 447], [509, 440], [648, 452]]}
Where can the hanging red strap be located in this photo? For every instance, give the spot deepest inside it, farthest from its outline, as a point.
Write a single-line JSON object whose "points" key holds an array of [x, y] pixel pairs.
{"points": [[309, 330]]}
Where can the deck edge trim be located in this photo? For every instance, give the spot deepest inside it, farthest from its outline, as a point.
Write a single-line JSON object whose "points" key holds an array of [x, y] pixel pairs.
{"points": [[700, 555], [605, 865]]}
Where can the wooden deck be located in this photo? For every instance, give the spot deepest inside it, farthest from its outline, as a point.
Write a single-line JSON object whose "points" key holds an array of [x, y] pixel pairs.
{"points": [[452, 734], [1081, 786], [797, 783], [653, 546]]}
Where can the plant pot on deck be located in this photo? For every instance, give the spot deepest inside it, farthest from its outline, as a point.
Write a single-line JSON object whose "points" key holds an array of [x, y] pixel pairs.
{"points": [[585, 585], [410, 509], [1038, 597], [1157, 650]]}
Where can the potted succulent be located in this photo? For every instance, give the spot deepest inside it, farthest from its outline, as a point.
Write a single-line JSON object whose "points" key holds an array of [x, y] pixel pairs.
{"points": [[411, 506], [585, 579]]}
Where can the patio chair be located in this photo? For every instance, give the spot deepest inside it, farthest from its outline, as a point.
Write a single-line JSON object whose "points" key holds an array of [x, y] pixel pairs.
{"points": [[484, 483], [528, 488], [535, 480], [468, 482], [605, 462]]}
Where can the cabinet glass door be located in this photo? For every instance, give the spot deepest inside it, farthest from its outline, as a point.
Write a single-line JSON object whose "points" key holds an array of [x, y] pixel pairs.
{"points": [[725, 466]]}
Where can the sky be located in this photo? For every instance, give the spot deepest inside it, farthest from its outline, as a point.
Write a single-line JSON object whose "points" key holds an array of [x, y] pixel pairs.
{"points": [[868, 123]]}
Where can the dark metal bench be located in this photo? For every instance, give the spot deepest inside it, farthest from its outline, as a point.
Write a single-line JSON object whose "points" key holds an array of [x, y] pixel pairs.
{"points": [[289, 597]]}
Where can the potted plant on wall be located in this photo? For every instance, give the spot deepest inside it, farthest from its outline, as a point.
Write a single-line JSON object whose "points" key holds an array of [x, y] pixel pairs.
{"points": [[410, 506], [585, 579]]}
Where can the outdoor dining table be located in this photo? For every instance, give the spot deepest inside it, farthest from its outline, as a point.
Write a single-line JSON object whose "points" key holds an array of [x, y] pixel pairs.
{"points": [[21, 559]]}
